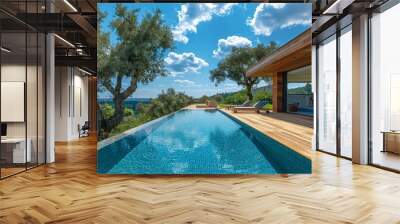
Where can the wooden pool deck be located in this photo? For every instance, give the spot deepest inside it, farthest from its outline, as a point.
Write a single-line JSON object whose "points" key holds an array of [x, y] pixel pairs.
{"points": [[294, 131]]}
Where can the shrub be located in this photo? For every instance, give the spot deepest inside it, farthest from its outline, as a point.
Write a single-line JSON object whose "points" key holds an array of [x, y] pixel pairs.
{"points": [[262, 95], [203, 99], [128, 112], [128, 123], [218, 98], [140, 108], [236, 98], [107, 111], [167, 102]]}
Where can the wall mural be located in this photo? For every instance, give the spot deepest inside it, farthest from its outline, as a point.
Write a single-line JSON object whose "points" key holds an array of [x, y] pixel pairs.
{"points": [[171, 76]]}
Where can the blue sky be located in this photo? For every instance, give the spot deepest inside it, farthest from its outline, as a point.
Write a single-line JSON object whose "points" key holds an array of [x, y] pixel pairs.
{"points": [[205, 32]]}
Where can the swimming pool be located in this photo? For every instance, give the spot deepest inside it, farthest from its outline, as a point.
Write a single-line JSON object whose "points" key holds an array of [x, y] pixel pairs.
{"points": [[197, 142]]}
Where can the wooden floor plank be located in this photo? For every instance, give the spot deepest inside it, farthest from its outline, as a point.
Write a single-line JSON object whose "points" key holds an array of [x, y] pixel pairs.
{"points": [[70, 191]]}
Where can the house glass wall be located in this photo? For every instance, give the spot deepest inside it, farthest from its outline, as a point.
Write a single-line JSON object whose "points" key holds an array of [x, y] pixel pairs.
{"points": [[327, 95], [385, 89], [22, 101], [345, 60], [299, 96]]}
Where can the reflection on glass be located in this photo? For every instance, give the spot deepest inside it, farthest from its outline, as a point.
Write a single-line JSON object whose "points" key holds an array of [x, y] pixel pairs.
{"points": [[22, 90], [41, 99], [346, 93], [31, 98], [327, 95], [14, 153], [299, 96], [385, 89]]}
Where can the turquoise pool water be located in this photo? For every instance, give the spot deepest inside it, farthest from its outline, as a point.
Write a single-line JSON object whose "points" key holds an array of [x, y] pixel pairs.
{"points": [[198, 142]]}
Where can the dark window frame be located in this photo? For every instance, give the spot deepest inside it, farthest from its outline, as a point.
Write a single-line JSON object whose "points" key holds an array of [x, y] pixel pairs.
{"points": [[338, 33], [381, 9], [285, 91], [30, 30]]}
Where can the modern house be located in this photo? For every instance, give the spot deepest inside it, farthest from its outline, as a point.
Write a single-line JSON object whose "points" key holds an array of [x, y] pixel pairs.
{"points": [[355, 80], [48, 79], [289, 67]]}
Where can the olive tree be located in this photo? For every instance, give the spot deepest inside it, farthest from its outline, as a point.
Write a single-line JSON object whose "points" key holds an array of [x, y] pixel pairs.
{"points": [[237, 62], [137, 55]]}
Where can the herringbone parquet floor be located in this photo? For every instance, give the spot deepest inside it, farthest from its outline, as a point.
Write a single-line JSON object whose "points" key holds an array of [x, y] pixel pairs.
{"points": [[70, 191]]}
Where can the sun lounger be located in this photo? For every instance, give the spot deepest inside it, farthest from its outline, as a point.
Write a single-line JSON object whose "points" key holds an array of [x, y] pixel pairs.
{"points": [[245, 104], [256, 107]]}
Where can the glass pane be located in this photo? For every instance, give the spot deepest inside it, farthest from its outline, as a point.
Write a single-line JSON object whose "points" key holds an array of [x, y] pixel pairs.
{"points": [[327, 95], [13, 86], [31, 98], [299, 96], [385, 92], [346, 92], [41, 99]]}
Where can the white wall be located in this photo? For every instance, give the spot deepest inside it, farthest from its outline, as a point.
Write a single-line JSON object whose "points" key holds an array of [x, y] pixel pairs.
{"points": [[71, 102], [62, 81], [80, 94], [33, 126], [14, 73]]}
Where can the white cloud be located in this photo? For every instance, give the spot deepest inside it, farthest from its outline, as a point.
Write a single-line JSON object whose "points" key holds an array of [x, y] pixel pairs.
{"points": [[184, 81], [187, 83], [184, 63], [230, 85], [277, 5], [271, 16], [225, 45], [192, 14]]}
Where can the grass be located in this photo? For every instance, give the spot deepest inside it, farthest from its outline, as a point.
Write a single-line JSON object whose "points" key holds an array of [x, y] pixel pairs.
{"points": [[268, 107]]}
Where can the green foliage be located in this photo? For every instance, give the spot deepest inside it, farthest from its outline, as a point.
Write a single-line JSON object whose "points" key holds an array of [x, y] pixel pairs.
{"points": [[144, 43], [301, 90], [128, 112], [236, 98], [103, 48], [167, 102], [262, 95], [128, 123], [218, 98], [308, 88], [136, 57], [107, 111], [203, 99], [235, 65], [140, 108], [268, 106]]}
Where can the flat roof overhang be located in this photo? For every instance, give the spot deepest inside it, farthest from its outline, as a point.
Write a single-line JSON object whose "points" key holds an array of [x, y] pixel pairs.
{"points": [[294, 54]]}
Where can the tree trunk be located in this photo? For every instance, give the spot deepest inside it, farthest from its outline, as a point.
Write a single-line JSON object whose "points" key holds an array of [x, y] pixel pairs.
{"points": [[249, 93], [118, 115], [119, 98]]}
